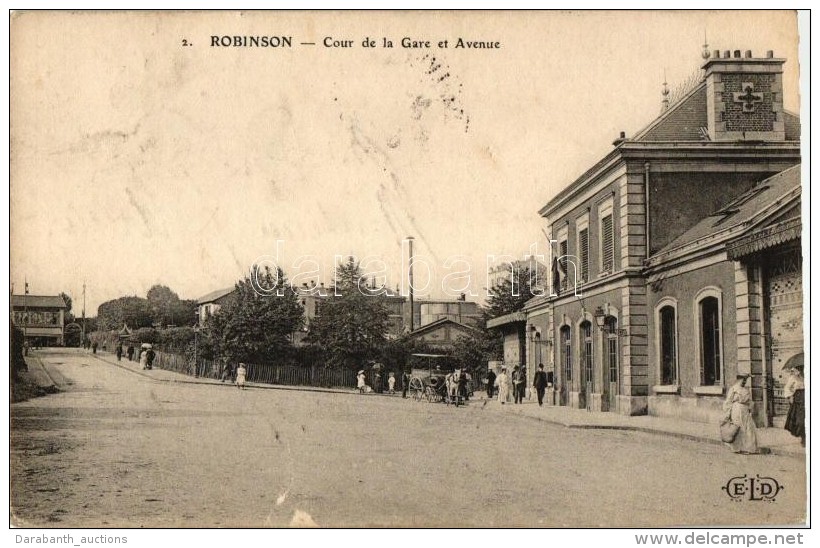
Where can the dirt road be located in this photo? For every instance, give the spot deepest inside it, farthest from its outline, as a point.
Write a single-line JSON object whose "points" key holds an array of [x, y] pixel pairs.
{"points": [[118, 449]]}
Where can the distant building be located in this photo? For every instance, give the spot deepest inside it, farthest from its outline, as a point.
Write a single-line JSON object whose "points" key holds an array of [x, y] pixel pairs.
{"points": [[499, 273], [41, 317], [213, 301], [442, 334]]}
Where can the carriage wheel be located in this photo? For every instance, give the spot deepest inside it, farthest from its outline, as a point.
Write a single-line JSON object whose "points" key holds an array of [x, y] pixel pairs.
{"points": [[416, 389]]}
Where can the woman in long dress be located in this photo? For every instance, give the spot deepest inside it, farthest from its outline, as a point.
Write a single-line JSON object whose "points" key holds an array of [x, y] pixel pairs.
{"points": [[738, 406], [795, 390], [240, 376], [502, 381]]}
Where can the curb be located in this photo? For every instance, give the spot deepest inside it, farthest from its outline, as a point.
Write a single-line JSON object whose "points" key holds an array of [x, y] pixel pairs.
{"points": [[52, 384], [646, 430]]}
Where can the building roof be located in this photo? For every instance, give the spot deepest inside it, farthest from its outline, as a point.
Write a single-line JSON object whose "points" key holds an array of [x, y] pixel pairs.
{"points": [[37, 301], [439, 323], [685, 121], [513, 317], [764, 197], [215, 295]]}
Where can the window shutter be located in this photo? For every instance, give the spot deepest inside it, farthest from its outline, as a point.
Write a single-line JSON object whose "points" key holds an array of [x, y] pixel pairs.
{"points": [[583, 242], [564, 248], [607, 245]]}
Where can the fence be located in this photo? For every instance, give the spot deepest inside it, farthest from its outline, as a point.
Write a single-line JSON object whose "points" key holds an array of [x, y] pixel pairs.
{"points": [[262, 373]]}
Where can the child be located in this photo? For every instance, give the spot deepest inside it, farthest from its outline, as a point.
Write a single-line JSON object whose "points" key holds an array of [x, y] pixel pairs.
{"points": [[391, 383], [240, 376]]}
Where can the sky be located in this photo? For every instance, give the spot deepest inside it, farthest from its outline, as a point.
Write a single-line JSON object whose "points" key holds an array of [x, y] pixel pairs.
{"points": [[137, 160]]}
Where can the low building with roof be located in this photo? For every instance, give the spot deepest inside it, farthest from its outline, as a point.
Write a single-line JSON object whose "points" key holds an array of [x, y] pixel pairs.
{"points": [[41, 317], [207, 305]]}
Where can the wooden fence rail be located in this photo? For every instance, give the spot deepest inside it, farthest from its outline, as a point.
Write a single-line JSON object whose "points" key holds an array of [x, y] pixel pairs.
{"points": [[261, 373]]}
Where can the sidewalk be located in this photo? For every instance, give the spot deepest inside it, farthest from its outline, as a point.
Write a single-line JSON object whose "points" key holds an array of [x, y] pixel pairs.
{"points": [[172, 376], [775, 441]]}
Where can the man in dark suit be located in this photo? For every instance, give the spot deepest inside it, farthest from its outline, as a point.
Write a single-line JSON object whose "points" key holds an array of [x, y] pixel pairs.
{"points": [[540, 383], [490, 384]]}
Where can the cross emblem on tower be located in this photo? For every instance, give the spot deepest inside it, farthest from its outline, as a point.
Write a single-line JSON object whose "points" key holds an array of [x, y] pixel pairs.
{"points": [[748, 97]]}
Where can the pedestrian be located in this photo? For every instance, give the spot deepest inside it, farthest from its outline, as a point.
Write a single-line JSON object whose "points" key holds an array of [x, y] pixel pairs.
{"points": [[462, 385], [738, 407], [540, 383], [240, 376], [360, 381], [227, 371], [518, 382], [405, 382], [490, 384], [795, 391], [144, 358], [94, 347], [502, 381], [150, 355], [130, 352], [391, 383], [119, 352]]}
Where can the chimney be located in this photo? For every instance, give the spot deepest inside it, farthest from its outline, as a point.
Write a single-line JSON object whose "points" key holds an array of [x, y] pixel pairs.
{"points": [[620, 139], [744, 97]]}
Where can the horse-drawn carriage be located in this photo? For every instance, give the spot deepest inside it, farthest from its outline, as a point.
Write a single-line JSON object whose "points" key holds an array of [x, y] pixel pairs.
{"points": [[436, 380]]}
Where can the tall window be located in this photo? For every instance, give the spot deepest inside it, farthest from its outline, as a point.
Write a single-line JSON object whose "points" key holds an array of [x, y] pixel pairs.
{"points": [[586, 350], [710, 341], [611, 333], [566, 353], [583, 253], [607, 244], [668, 345], [563, 249]]}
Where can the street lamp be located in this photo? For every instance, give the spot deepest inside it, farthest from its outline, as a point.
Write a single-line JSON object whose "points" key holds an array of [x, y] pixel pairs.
{"points": [[196, 331], [600, 317]]}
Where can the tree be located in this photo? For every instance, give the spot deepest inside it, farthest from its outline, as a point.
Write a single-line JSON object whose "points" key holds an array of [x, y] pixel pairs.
{"points": [[475, 350], [256, 325], [511, 293], [68, 316], [133, 311], [162, 302], [351, 324]]}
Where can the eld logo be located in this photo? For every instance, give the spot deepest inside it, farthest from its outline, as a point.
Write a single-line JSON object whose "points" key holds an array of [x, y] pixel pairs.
{"points": [[756, 488]]}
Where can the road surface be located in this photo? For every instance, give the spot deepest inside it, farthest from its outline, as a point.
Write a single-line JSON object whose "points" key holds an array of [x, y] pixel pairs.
{"points": [[116, 449]]}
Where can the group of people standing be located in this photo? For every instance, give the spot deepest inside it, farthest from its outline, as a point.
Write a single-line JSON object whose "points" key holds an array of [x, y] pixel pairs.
{"points": [[739, 404], [516, 384]]}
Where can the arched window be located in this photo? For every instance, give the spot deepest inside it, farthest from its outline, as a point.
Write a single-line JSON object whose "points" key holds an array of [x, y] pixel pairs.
{"points": [[710, 342], [566, 353], [667, 344], [611, 348], [586, 351]]}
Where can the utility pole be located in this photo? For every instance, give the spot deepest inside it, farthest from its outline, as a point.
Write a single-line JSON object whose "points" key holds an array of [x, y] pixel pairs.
{"points": [[25, 312], [412, 307], [82, 341]]}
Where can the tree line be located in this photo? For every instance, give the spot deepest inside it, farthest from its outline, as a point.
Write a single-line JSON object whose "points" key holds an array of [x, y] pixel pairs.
{"points": [[259, 320]]}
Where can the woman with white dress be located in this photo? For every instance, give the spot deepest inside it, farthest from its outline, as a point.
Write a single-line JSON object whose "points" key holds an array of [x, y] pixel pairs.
{"points": [[502, 382], [240, 376], [738, 407]]}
